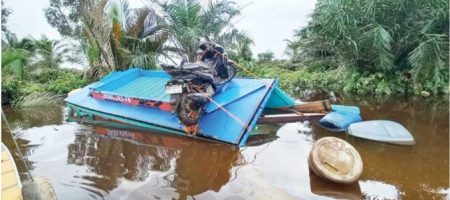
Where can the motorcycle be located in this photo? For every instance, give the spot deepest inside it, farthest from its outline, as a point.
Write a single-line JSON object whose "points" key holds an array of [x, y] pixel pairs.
{"points": [[193, 84]]}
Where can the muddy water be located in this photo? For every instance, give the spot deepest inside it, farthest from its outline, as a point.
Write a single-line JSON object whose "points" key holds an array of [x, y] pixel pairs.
{"points": [[109, 162]]}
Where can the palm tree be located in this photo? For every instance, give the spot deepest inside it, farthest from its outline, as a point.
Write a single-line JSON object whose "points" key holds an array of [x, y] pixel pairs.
{"points": [[381, 36], [16, 54], [14, 61], [138, 34], [122, 38], [190, 21], [237, 44], [10, 41], [49, 53]]}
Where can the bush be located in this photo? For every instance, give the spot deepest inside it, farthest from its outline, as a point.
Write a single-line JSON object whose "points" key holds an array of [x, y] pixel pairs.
{"points": [[45, 81], [11, 87], [65, 83], [323, 76]]}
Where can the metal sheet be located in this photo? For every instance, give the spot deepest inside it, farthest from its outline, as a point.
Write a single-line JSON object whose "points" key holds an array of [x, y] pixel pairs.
{"points": [[234, 90], [216, 124]]}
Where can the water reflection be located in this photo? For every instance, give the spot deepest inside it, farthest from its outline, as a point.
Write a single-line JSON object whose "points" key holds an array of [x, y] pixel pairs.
{"points": [[400, 166], [326, 188], [112, 154], [34, 116], [116, 162]]}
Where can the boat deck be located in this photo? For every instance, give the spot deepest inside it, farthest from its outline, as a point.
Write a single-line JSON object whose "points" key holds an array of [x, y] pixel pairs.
{"points": [[154, 89], [235, 111]]}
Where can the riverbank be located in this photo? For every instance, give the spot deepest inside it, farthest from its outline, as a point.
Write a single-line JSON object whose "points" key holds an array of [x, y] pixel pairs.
{"points": [[40, 85], [322, 76]]}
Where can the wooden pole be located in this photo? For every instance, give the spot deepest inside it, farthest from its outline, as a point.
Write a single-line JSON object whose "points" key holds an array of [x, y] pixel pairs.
{"points": [[309, 107], [292, 117]]}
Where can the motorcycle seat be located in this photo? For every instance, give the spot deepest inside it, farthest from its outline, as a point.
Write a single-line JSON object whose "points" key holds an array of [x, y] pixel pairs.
{"points": [[195, 66]]}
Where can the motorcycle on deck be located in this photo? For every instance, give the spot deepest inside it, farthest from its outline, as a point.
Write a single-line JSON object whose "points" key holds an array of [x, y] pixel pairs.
{"points": [[193, 84]]}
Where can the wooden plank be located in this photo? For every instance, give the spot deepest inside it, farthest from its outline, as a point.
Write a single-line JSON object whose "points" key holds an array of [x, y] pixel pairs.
{"points": [[286, 118], [322, 106]]}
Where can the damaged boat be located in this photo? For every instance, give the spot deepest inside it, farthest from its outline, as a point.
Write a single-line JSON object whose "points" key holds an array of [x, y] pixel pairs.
{"points": [[139, 97]]}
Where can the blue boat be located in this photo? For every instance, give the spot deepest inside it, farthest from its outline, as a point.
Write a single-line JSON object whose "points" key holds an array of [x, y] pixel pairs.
{"points": [[138, 97]]}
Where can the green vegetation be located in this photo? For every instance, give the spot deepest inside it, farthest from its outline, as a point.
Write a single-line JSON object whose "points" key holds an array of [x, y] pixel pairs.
{"points": [[357, 47], [321, 76], [5, 14], [117, 37], [382, 46], [36, 99], [265, 56], [31, 73], [114, 37]]}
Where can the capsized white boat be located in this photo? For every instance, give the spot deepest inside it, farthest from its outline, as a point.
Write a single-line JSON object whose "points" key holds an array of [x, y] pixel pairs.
{"points": [[382, 131]]}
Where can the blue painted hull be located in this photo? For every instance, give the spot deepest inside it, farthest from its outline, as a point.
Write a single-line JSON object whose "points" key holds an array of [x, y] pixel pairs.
{"points": [[243, 97]]}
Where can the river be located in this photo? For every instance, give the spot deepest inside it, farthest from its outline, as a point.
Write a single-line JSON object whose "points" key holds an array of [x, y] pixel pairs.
{"points": [[84, 161]]}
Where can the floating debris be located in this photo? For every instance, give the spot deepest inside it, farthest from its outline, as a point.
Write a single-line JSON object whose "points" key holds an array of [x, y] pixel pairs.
{"points": [[335, 160]]}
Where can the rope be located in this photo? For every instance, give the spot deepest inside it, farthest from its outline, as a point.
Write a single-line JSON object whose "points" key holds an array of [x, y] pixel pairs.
{"points": [[17, 146], [245, 69], [234, 117]]}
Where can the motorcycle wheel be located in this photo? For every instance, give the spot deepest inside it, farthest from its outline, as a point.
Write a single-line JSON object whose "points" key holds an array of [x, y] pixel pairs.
{"points": [[186, 115], [231, 73]]}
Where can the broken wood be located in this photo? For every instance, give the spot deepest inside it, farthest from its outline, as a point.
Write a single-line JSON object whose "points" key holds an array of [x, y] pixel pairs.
{"points": [[309, 107], [292, 117]]}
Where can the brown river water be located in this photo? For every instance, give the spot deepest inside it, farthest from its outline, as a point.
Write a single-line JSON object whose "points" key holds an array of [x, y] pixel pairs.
{"points": [[84, 161]]}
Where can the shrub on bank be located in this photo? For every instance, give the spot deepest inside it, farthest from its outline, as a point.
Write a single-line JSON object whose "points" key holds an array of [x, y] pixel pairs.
{"points": [[55, 81], [323, 76]]}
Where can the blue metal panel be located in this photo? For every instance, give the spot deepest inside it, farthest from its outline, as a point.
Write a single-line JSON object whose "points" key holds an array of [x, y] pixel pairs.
{"points": [[235, 89], [258, 113], [114, 82], [160, 74], [221, 126], [145, 87], [115, 74], [216, 124], [279, 99], [135, 83], [140, 113], [128, 121]]}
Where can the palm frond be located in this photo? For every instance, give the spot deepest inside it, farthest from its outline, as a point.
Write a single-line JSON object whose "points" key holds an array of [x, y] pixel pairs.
{"points": [[36, 99], [143, 60], [135, 21], [96, 71], [97, 28], [381, 41], [14, 61], [429, 57]]}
